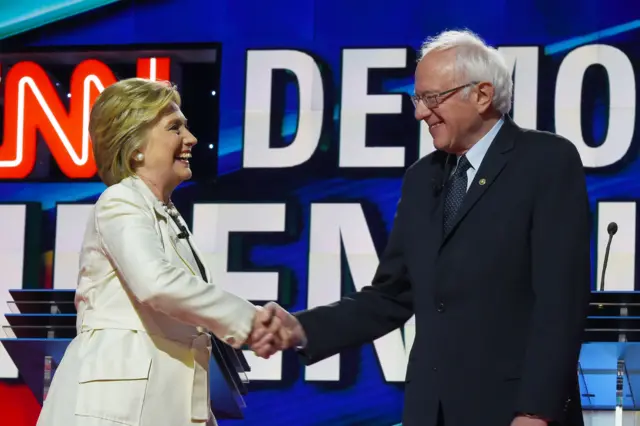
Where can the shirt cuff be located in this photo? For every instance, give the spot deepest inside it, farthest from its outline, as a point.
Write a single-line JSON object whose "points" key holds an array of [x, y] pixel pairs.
{"points": [[302, 345]]}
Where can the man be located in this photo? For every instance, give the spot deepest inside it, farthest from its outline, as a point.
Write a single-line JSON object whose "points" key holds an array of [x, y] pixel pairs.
{"points": [[489, 250]]}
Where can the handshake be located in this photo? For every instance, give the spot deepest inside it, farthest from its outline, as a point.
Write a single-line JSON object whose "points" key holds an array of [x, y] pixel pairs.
{"points": [[274, 329]]}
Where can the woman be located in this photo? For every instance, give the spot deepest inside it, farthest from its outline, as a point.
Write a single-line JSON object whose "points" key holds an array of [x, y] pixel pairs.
{"points": [[144, 300]]}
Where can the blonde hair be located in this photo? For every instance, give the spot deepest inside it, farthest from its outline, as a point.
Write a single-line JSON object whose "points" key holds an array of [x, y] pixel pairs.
{"points": [[120, 119]]}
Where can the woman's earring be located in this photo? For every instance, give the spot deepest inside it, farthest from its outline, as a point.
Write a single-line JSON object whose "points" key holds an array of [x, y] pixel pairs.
{"points": [[139, 156]]}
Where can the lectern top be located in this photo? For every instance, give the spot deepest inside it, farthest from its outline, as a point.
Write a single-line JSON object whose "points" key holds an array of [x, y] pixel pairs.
{"points": [[617, 298], [42, 295]]}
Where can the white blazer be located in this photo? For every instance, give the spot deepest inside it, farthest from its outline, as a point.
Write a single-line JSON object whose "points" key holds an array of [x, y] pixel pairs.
{"points": [[141, 356]]}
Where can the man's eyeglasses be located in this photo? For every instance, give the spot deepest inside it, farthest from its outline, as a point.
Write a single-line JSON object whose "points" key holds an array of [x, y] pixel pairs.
{"points": [[432, 101]]}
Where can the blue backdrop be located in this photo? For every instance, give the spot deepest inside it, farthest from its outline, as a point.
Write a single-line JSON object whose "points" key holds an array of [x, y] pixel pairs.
{"points": [[324, 30]]}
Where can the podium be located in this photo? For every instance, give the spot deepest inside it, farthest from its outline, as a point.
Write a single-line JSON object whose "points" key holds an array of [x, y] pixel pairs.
{"points": [[42, 323], [609, 367]]}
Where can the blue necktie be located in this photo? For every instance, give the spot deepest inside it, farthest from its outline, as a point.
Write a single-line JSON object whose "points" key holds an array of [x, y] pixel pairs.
{"points": [[456, 191]]}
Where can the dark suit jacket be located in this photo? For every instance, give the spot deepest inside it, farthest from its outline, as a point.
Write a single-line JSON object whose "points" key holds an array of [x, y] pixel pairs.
{"points": [[500, 302]]}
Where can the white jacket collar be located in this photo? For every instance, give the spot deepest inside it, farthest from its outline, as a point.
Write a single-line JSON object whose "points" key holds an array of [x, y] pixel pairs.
{"points": [[135, 183]]}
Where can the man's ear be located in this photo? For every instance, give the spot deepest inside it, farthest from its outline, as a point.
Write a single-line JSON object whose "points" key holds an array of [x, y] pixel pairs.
{"points": [[484, 96]]}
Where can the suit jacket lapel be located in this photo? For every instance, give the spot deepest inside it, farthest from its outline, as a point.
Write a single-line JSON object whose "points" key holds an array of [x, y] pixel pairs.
{"points": [[196, 253], [207, 273], [494, 161]]}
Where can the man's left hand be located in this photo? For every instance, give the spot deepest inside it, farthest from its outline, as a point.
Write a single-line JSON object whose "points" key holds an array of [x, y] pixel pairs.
{"points": [[528, 421]]}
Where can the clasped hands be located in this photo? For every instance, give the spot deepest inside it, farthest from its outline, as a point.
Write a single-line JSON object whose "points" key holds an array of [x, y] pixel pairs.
{"points": [[274, 329]]}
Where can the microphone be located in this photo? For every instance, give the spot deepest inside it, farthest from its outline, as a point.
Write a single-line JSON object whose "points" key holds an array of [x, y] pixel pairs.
{"points": [[612, 228], [184, 234]]}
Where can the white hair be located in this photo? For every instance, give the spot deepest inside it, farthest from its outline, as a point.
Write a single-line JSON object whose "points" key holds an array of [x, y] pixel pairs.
{"points": [[475, 61]]}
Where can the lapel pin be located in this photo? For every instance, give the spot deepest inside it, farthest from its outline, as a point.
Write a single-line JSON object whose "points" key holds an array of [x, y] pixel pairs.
{"points": [[482, 181]]}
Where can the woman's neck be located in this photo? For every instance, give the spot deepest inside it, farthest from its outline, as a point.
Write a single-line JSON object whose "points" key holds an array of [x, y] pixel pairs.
{"points": [[163, 194]]}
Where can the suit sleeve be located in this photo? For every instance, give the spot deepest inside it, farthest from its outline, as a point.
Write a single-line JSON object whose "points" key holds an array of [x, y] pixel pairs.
{"points": [[366, 315], [131, 242], [560, 250]]}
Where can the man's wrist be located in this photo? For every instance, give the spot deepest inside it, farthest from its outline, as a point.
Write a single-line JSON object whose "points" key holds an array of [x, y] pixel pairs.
{"points": [[301, 341], [301, 345]]}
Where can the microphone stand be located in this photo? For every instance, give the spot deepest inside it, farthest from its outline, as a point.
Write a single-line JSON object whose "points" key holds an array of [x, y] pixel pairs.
{"points": [[611, 230]]}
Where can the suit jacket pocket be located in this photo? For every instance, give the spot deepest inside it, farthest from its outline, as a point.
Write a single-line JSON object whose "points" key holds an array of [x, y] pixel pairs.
{"points": [[113, 388]]}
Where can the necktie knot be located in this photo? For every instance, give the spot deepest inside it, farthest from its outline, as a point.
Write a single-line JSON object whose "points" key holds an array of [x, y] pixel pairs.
{"points": [[463, 165]]}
